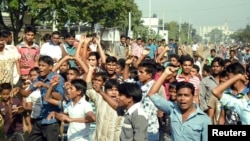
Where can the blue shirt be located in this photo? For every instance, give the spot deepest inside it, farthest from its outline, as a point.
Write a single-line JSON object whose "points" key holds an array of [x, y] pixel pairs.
{"points": [[152, 51], [195, 128], [241, 106], [71, 50], [46, 107]]}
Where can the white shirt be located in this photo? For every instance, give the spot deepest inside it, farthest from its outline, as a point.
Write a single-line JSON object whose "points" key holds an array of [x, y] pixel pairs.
{"points": [[194, 47], [54, 51], [35, 98], [78, 131]]}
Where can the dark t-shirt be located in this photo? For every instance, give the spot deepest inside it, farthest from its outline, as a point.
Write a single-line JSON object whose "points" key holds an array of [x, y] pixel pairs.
{"points": [[12, 122]]}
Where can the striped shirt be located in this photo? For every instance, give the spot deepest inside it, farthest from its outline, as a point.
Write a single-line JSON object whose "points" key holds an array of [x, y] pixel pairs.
{"points": [[192, 79], [108, 123]]}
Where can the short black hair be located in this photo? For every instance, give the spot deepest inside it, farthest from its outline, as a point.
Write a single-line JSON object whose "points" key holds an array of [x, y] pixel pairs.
{"points": [[5, 33], [75, 70], [236, 68], [183, 84], [186, 58], [150, 66], [196, 67], [172, 85], [5, 86], [96, 54], [121, 63], [111, 59], [130, 90], [36, 69], [103, 75], [109, 84], [30, 28], [46, 59], [46, 37], [80, 85], [219, 60], [207, 68]]}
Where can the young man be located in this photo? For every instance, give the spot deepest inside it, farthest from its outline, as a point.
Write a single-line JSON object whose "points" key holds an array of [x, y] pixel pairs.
{"points": [[28, 50], [234, 87], [188, 122], [43, 129], [107, 117], [9, 61], [11, 111], [186, 66], [78, 112], [241, 106], [52, 48], [135, 119]]}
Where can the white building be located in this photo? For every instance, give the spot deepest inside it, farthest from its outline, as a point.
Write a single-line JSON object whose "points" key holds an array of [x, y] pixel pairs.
{"points": [[203, 30], [152, 23]]}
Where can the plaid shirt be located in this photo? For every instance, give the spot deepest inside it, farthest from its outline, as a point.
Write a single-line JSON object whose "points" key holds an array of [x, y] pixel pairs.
{"points": [[149, 108]]}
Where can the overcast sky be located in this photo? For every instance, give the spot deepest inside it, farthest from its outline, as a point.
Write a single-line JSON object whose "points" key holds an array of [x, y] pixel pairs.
{"points": [[200, 12]]}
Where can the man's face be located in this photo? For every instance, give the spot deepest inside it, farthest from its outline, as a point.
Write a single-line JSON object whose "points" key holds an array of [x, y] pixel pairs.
{"points": [[64, 67], [123, 101], [174, 62], [70, 41], [143, 75], [33, 75], [97, 81], [184, 98], [2, 42], [149, 42], [172, 93], [213, 53], [194, 72], [5, 94], [55, 39], [123, 40], [111, 67], [29, 36], [72, 92], [113, 93], [118, 70], [71, 75], [92, 61], [187, 66], [44, 68], [216, 68], [139, 42]]}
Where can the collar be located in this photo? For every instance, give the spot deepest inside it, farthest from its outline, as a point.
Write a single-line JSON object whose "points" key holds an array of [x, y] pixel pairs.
{"points": [[79, 102], [24, 45], [48, 77], [149, 83], [133, 108]]}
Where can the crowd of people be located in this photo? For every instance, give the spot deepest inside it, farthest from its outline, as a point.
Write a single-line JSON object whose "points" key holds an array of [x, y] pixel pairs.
{"points": [[71, 89]]}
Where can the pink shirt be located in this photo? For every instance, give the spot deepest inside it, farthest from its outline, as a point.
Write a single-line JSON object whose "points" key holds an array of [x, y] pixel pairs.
{"points": [[28, 55], [165, 85], [137, 49]]}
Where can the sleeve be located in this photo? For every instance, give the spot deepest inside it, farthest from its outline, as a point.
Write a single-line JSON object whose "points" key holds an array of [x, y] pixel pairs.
{"points": [[202, 94], [204, 134], [212, 102], [88, 107], [140, 125], [162, 92], [231, 101], [43, 50], [28, 99], [91, 93], [161, 103]]}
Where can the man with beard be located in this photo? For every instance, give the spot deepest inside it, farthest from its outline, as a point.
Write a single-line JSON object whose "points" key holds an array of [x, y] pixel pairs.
{"points": [[210, 82], [186, 65]]}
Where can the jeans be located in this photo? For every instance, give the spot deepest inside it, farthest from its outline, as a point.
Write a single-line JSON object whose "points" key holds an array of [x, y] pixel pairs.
{"points": [[153, 136]]}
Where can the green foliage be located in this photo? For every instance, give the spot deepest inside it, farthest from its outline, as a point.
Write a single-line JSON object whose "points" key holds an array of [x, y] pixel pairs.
{"points": [[242, 35], [215, 36]]}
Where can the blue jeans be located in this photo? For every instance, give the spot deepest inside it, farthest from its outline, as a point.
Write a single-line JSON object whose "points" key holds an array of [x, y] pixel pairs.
{"points": [[153, 136]]}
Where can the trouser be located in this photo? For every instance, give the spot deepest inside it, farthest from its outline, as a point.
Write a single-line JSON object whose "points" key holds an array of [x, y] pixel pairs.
{"points": [[153, 136], [44, 132], [16, 136]]}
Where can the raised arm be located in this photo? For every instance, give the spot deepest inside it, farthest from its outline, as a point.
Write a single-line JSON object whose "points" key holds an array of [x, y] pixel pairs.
{"points": [[218, 91], [128, 62], [160, 56], [48, 96], [57, 66], [145, 53], [100, 50], [169, 71]]}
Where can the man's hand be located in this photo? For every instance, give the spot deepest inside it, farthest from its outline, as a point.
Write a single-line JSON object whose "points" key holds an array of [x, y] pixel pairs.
{"points": [[55, 80], [66, 118], [171, 70], [51, 116], [129, 60], [39, 84]]}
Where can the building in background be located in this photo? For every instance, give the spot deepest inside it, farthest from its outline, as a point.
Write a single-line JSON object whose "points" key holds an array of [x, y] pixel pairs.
{"points": [[204, 30]]}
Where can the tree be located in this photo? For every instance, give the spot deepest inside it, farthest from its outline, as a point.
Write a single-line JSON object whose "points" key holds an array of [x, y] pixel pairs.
{"points": [[242, 35], [215, 35]]}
